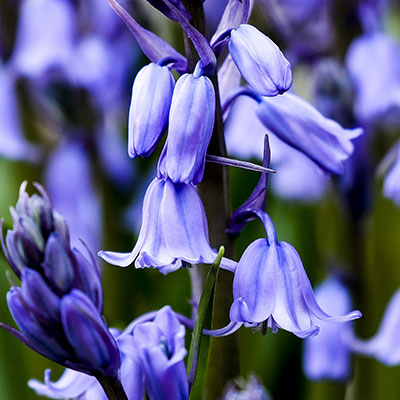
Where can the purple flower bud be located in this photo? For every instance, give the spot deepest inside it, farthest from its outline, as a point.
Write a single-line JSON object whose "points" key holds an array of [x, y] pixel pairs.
{"points": [[57, 265], [88, 335], [300, 125], [327, 356], [148, 113], [87, 278], [39, 298], [58, 307], [270, 287], [160, 350], [34, 333], [191, 122], [260, 61]]}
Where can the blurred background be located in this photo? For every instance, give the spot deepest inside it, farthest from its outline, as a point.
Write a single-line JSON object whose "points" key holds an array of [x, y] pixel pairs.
{"points": [[66, 71]]}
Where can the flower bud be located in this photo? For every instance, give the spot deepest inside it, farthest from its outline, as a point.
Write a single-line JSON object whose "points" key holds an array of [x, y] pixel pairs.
{"points": [[88, 335], [148, 113], [260, 61], [57, 264], [35, 336], [191, 123]]}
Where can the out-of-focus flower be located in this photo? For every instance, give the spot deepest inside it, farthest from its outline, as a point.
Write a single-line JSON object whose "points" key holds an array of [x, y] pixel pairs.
{"points": [[297, 177], [260, 61], [300, 125], [371, 79], [241, 389], [174, 229], [150, 103], [42, 46], [384, 346], [159, 348], [12, 143], [59, 304], [327, 356], [271, 288], [71, 189], [191, 122], [391, 185]]}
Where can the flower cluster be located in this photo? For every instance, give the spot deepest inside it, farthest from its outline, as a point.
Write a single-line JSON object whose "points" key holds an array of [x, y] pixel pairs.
{"points": [[58, 306], [190, 104]]}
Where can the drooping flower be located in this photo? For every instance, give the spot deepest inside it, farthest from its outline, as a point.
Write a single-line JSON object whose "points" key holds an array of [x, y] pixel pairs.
{"points": [[371, 79], [300, 125], [159, 348], [150, 103], [174, 229], [270, 287], [260, 61], [191, 122], [58, 307], [327, 356], [384, 346], [297, 178]]}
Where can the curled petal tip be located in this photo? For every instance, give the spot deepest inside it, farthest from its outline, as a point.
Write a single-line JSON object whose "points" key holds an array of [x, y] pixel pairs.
{"points": [[115, 258]]}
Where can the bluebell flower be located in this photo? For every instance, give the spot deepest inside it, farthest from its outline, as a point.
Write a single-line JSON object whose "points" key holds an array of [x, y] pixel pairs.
{"points": [[327, 355], [159, 348], [13, 144], [299, 124], [297, 178], [42, 46], [391, 185], [241, 389], [191, 122], [372, 79], [174, 229], [74, 384], [260, 61], [58, 307], [384, 345], [150, 103], [271, 288], [69, 182]]}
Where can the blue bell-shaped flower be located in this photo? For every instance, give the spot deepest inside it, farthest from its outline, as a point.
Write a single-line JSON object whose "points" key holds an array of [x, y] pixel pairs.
{"points": [[174, 229], [148, 112], [260, 61], [191, 122], [270, 287]]}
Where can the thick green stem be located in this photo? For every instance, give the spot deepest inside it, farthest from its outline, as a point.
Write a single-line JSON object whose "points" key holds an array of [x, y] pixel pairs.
{"points": [[215, 193], [112, 387]]}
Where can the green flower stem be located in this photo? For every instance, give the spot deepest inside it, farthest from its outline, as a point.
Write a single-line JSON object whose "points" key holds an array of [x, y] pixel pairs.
{"points": [[112, 387], [202, 311], [215, 193]]}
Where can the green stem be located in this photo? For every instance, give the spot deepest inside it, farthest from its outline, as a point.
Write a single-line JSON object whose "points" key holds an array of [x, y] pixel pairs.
{"points": [[112, 387], [215, 193], [199, 325]]}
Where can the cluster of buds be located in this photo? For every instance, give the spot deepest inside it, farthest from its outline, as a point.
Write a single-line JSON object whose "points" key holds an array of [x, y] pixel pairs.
{"points": [[58, 306]]}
